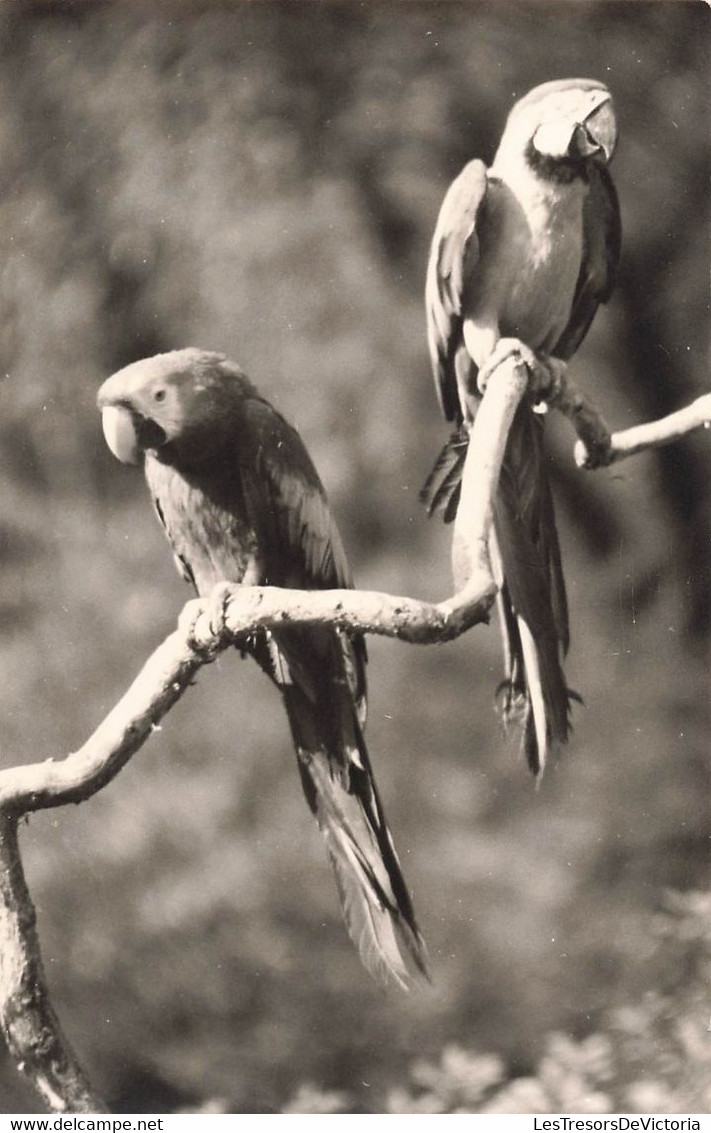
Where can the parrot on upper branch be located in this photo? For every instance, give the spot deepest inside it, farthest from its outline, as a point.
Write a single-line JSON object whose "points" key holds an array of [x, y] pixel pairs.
{"points": [[523, 254], [241, 502]]}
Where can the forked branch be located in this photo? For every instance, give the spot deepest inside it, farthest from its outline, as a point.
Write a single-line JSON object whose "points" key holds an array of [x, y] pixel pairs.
{"points": [[28, 1021]]}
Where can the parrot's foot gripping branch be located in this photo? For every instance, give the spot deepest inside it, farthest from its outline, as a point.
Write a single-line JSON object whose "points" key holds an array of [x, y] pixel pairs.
{"points": [[203, 621], [551, 387], [595, 451], [544, 371], [597, 446]]}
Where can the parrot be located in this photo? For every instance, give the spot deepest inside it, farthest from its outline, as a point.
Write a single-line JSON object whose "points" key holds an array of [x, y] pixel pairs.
{"points": [[241, 502], [522, 255]]}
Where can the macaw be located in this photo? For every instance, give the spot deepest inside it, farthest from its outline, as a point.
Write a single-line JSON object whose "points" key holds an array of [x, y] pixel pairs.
{"points": [[523, 254], [241, 502]]}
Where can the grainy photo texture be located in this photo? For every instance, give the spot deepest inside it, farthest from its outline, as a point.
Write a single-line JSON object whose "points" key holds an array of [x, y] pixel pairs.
{"points": [[279, 279]]}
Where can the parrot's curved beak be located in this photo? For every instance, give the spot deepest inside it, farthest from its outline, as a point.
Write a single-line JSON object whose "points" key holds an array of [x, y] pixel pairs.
{"points": [[585, 128], [120, 433], [128, 434], [601, 128]]}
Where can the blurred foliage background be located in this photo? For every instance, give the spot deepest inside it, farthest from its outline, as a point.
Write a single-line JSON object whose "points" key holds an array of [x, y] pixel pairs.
{"points": [[263, 179]]}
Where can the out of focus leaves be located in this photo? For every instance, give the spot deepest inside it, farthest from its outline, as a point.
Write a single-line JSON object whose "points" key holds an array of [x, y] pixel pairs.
{"points": [[264, 179], [665, 1043], [309, 1099]]}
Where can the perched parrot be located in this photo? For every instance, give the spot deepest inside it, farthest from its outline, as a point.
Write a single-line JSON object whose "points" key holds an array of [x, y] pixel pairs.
{"points": [[241, 501], [523, 253]]}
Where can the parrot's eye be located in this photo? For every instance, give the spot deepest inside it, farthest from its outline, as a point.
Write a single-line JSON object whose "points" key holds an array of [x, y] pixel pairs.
{"points": [[160, 394]]}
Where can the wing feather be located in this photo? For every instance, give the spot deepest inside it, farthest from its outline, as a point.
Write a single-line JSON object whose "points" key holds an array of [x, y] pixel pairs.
{"points": [[288, 505], [300, 544], [602, 241], [454, 253]]}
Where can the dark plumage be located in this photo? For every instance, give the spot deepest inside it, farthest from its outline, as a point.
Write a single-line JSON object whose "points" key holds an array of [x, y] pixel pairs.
{"points": [[522, 256], [241, 501]]}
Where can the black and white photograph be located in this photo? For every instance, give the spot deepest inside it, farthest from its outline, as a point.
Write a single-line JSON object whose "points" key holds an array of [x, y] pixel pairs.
{"points": [[355, 557]]}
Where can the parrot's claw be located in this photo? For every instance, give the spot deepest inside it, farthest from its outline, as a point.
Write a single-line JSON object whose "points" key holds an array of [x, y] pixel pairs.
{"points": [[202, 620], [547, 380], [545, 372], [190, 615], [216, 608], [505, 349]]}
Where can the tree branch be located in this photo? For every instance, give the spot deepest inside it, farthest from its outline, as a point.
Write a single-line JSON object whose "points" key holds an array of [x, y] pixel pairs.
{"points": [[31, 1028], [197, 641], [597, 447], [654, 434], [206, 628], [488, 435]]}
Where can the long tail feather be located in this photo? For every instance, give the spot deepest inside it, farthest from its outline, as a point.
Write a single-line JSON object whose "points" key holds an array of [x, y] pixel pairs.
{"points": [[535, 589], [340, 789], [536, 742], [376, 905], [527, 565], [442, 488]]}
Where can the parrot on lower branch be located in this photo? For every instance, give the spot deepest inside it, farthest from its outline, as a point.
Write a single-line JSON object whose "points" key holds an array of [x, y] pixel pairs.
{"points": [[241, 502], [523, 254]]}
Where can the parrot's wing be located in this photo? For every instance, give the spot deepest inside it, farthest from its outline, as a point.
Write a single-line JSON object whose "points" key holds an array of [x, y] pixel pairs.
{"points": [[300, 544], [321, 672], [602, 240], [299, 541], [454, 253]]}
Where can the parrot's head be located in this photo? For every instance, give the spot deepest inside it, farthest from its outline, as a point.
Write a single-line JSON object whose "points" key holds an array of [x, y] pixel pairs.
{"points": [[560, 126], [170, 403]]}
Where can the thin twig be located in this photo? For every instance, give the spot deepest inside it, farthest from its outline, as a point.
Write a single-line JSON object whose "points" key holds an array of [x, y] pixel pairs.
{"points": [[639, 438], [596, 446]]}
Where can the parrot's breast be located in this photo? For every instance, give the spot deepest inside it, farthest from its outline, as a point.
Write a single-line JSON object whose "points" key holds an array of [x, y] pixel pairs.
{"points": [[210, 534], [532, 251]]}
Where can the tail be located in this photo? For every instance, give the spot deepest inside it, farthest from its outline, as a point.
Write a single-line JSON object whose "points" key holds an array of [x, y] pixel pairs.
{"points": [[443, 486], [532, 601], [340, 789]]}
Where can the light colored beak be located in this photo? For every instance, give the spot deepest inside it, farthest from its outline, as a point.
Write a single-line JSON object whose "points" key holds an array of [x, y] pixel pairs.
{"points": [[120, 433]]}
